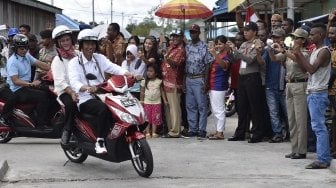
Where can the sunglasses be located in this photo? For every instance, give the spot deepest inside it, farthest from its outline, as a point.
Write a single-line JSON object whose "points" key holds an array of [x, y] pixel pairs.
{"points": [[23, 48], [296, 38]]}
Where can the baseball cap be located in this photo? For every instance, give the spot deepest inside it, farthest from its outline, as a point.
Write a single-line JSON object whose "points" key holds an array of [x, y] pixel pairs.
{"points": [[251, 26], [176, 33], [278, 32], [299, 32], [307, 26], [195, 27]]}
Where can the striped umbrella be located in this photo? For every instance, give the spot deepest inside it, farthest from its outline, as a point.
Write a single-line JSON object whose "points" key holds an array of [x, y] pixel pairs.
{"points": [[183, 9]]}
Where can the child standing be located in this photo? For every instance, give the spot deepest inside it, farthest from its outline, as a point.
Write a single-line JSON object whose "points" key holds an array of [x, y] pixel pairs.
{"points": [[150, 96]]}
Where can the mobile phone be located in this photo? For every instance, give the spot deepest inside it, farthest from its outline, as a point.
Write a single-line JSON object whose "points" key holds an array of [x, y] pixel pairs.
{"points": [[164, 45], [211, 44], [140, 48]]}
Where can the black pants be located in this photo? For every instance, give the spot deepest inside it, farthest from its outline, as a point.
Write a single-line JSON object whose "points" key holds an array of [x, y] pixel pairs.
{"points": [[29, 95], [250, 101], [103, 116], [70, 111], [184, 111]]}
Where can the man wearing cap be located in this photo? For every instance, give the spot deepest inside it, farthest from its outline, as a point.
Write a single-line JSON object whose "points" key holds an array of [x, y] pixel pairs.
{"points": [[275, 85], [296, 98], [172, 71], [7, 51], [250, 88], [319, 69], [196, 75], [48, 51]]}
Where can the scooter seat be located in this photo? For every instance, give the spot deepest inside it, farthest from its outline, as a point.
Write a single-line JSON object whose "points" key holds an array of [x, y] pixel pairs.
{"points": [[88, 117]]}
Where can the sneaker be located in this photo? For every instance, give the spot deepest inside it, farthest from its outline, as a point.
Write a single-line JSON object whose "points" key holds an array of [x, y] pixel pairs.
{"points": [[276, 139], [188, 135], [201, 135], [100, 146]]}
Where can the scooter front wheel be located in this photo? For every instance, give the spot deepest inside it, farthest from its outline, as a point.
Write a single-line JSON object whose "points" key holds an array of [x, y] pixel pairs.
{"points": [[73, 152], [142, 158]]}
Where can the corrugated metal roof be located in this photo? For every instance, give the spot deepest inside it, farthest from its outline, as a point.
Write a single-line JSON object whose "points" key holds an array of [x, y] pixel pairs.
{"points": [[39, 5]]}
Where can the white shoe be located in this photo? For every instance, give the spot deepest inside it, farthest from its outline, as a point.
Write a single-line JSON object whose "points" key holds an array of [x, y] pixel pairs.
{"points": [[100, 146]]}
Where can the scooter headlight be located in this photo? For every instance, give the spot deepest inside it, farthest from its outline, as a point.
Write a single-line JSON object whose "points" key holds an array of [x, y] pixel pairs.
{"points": [[128, 118]]}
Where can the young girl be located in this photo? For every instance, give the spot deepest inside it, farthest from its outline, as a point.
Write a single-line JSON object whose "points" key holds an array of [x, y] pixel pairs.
{"points": [[218, 83], [150, 97]]}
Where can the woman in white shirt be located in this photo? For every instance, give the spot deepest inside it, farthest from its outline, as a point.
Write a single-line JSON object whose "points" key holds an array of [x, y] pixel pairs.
{"points": [[59, 67], [89, 62], [135, 66]]}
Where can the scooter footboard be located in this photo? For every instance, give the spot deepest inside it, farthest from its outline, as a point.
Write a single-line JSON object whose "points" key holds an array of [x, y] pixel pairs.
{"points": [[118, 149]]}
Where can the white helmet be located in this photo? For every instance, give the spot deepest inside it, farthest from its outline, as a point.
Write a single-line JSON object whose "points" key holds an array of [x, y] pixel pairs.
{"points": [[59, 31], [87, 34]]}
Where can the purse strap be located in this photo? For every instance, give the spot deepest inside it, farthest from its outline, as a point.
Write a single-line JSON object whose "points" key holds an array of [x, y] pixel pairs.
{"points": [[80, 59]]}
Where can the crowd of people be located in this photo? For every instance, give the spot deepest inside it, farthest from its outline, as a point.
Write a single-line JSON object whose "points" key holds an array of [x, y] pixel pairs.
{"points": [[281, 77]]}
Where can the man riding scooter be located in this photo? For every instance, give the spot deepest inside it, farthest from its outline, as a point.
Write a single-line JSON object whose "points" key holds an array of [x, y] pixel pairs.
{"points": [[90, 63], [18, 78]]}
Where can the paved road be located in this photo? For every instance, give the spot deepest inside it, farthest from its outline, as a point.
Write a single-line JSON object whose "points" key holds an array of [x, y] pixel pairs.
{"points": [[177, 163]]}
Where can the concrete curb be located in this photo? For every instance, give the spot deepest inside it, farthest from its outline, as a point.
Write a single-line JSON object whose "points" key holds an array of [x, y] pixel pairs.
{"points": [[333, 165], [3, 169]]}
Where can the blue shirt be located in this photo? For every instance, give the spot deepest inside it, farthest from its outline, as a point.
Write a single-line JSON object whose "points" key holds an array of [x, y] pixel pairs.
{"points": [[20, 66], [198, 57], [273, 70]]}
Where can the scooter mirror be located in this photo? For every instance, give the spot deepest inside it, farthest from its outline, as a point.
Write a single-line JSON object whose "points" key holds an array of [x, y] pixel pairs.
{"points": [[90, 76]]}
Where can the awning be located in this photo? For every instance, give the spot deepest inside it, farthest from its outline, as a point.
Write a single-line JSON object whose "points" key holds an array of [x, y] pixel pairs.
{"points": [[323, 18], [62, 19]]}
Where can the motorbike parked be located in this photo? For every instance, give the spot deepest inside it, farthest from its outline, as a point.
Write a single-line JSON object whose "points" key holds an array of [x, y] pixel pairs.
{"points": [[230, 103], [23, 121], [125, 140]]}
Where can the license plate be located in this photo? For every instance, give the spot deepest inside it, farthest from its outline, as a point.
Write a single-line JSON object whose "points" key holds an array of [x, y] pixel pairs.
{"points": [[128, 102]]}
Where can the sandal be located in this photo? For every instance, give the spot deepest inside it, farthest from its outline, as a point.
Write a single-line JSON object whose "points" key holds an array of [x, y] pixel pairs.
{"points": [[317, 165], [217, 136], [154, 135], [148, 135], [212, 134]]}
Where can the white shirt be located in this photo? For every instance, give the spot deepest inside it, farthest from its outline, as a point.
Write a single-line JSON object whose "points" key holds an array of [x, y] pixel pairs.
{"points": [[60, 74], [131, 67], [77, 75]]}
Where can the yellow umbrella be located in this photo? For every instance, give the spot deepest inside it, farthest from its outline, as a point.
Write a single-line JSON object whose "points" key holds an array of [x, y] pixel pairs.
{"points": [[232, 4]]}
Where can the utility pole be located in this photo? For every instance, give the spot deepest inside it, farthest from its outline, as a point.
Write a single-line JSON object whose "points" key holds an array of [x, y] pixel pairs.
{"points": [[93, 14], [290, 11], [52, 2], [111, 11], [122, 19]]}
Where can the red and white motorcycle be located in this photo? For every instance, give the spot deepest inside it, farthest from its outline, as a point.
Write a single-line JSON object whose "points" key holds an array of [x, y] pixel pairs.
{"points": [[125, 141]]}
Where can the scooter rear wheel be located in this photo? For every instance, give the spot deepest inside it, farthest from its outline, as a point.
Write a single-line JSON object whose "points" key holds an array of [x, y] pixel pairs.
{"points": [[74, 153], [5, 137], [143, 159]]}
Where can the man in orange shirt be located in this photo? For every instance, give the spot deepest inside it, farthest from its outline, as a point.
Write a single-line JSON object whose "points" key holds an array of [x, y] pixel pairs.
{"points": [[113, 45]]}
